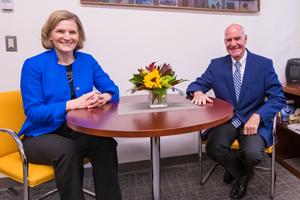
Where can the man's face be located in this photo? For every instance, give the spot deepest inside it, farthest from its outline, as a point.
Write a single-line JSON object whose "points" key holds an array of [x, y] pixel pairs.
{"points": [[235, 41]]}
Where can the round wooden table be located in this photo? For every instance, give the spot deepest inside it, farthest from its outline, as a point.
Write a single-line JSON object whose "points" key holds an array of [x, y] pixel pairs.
{"points": [[108, 121]]}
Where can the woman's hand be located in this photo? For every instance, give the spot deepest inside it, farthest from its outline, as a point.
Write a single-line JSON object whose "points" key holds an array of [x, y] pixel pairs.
{"points": [[88, 100], [104, 98], [99, 99]]}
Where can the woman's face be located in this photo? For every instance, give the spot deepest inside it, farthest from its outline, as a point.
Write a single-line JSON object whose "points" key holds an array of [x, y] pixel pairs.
{"points": [[65, 36]]}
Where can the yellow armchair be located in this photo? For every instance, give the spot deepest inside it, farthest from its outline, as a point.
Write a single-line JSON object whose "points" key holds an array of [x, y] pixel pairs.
{"points": [[13, 161]]}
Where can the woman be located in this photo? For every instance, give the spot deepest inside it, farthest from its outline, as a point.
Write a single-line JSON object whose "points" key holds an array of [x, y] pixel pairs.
{"points": [[57, 81]]}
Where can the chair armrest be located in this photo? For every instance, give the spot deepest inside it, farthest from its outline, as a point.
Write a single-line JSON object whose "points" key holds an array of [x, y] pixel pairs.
{"points": [[274, 124], [180, 92], [18, 142]]}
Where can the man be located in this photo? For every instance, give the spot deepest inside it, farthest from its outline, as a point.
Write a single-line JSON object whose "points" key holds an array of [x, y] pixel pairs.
{"points": [[249, 83]]}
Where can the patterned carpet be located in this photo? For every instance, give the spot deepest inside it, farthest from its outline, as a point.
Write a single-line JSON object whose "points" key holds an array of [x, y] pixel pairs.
{"points": [[181, 182]]}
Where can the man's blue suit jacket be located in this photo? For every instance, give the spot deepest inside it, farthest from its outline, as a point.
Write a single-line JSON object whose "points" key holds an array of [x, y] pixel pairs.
{"points": [[261, 90]]}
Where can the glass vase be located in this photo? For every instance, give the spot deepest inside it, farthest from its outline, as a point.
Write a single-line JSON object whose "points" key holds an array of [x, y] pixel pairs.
{"points": [[157, 99]]}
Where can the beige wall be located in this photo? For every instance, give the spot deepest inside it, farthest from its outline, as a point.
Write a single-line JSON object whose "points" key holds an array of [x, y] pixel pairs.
{"points": [[123, 39]]}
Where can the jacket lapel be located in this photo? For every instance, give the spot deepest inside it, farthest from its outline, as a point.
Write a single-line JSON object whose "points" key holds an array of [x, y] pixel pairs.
{"points": [[247, 76], [229, 77]]}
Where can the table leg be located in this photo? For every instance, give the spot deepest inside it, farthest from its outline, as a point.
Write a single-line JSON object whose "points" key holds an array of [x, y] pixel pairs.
{"points": [[200, 155], [155, 158]]}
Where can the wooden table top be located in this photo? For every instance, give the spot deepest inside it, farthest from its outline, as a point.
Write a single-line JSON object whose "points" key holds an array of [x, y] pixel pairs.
{"points": [[291, 88], [106, 121]]}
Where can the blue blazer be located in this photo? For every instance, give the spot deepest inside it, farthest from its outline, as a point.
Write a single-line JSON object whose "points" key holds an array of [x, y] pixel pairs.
{"points": [[45, 89], [261, 90]]}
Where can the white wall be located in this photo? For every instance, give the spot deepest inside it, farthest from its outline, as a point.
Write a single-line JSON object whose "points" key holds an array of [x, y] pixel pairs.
{"points": [[123, 39]]}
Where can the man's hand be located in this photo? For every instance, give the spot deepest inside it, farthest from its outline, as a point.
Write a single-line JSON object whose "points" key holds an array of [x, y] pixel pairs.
{"points": [[252, 124], [199, 98]]}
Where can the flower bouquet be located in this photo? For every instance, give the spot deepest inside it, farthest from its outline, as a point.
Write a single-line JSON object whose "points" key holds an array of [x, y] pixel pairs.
{"points": [[157, 79]]}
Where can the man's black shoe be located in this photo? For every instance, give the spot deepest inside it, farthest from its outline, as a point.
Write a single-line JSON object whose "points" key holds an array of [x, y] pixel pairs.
{"points": [[237, 191], [227, 178], [239, 188]]}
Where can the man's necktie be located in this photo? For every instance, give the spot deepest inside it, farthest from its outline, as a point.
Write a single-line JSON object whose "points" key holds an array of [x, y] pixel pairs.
{"points": [[237, 81]]}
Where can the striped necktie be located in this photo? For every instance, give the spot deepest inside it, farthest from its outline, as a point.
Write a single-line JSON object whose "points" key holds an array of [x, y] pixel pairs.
{"points": [[237, 81]]}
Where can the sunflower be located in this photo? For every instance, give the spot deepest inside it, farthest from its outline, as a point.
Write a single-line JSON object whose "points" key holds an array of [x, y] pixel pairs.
{"points": [[152, 80]]}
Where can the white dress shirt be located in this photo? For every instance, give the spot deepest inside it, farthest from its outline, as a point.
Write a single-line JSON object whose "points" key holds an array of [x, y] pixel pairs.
{"points": [[243, 64]]}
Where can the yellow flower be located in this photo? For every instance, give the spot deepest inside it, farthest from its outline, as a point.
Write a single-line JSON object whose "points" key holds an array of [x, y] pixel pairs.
{"points": [[144, 72], [152, 80]]}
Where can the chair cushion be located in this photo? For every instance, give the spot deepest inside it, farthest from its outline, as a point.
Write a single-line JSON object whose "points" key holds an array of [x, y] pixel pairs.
{"points": [[235, 145], [11, 165]]}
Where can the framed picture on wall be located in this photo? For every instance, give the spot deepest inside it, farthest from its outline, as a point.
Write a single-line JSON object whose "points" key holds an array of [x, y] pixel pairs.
{"points": [[209, 5], [144, 2], [168, 2]]}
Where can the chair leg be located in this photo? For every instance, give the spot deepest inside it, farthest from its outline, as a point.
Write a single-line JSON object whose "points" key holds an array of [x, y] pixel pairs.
{"points": [[13, 191], [211, 169], [273, 173], [273, 178], [262, 168], [55, 190], [89, 192], [47, 194], [25, 182], [200, 155]]}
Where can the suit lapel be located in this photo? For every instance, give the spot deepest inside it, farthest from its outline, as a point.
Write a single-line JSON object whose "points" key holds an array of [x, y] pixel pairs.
{"points": [[247, 76], [229, 77]]}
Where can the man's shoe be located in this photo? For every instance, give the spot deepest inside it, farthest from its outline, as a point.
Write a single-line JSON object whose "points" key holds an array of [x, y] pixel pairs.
{"points": [[239, 188], [227, 178], [237, 191]]}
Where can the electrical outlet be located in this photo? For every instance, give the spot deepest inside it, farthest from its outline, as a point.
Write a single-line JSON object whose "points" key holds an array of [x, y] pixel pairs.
{"points": [[6, 4], [11, 43]]}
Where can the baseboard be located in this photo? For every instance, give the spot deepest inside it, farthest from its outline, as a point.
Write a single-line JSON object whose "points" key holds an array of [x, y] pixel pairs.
{"points": [[146, 164], [164, 162]]}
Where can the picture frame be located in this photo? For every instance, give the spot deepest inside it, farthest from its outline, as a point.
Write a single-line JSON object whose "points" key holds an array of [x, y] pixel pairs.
{"points": [[250, 6]]}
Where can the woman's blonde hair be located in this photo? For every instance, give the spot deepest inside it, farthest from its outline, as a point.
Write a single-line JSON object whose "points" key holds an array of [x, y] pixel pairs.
{"points": [[52, 22]]}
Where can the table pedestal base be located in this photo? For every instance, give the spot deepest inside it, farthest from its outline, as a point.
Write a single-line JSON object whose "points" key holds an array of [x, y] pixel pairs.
{"points": [[155, 158]]}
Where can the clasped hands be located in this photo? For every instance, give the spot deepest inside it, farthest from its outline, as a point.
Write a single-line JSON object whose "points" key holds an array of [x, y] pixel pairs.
{"points": [[89, 100], [251, 126]]}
